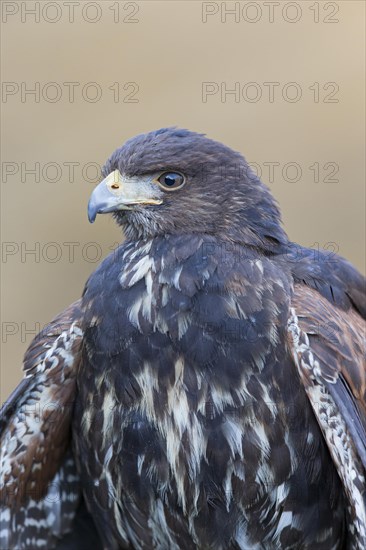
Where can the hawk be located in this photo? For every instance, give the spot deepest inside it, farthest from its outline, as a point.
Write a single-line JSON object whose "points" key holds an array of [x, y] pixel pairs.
{"points": [[207, 390]]}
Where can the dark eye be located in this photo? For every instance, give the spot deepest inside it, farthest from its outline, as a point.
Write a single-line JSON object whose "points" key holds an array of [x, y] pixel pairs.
{"points": [[171, 180]]}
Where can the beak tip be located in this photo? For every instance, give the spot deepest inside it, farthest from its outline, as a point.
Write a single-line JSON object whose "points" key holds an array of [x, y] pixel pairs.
{"points": [[92, 213]]}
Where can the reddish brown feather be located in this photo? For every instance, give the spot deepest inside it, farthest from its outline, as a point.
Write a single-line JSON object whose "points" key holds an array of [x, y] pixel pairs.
{"points": [[37, 433], [44, 340], [337, 337], [328, 347]]}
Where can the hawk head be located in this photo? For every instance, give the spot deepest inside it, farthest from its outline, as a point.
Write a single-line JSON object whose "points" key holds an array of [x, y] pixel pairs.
{"points": [[177, 181]]}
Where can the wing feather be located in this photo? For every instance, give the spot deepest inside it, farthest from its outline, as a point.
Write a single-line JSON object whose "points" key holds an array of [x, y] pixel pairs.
{"points": [[39, 484], [328, 348]]}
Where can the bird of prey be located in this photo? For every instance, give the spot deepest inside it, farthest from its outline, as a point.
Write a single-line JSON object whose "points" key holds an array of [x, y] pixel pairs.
{"points": [[207, 390]]}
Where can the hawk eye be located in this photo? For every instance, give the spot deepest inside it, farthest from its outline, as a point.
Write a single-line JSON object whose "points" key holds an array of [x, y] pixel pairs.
{"points": [[171, 180]]}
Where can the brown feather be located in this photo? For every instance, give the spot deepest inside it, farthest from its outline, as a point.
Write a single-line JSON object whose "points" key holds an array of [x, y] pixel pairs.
{"points": [[337, 337], [37, 432], [328, 346]]}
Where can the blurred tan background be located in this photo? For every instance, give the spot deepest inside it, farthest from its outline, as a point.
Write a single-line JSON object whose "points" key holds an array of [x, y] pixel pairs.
{"points": [[168, 50]]}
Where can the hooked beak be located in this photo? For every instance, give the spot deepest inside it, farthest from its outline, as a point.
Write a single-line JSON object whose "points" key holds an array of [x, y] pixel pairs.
{"points": [[118, 193]]}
